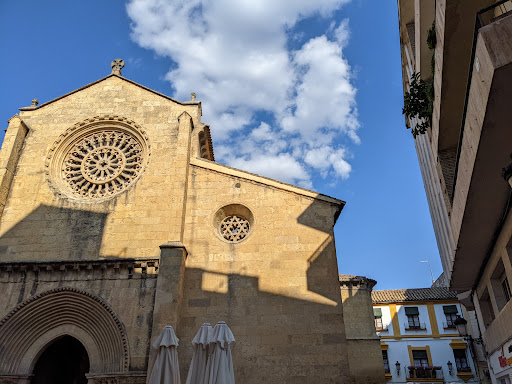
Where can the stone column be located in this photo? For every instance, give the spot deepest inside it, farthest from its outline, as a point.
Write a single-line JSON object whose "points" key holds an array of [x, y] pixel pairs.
{"points": [[9, 155], [424, 13], [363, 344], [183, 153], [169, 291]]}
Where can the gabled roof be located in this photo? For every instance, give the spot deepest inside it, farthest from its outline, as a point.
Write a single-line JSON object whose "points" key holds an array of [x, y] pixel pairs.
{"points": [[417, 294], [221, 168], [104, 78]]}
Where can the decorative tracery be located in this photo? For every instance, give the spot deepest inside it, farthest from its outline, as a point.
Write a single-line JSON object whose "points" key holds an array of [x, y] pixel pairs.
{"points": [[102, 164], [98, 158], [234, 228]]}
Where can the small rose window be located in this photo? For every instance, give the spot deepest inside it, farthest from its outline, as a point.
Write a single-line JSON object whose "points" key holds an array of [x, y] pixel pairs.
{"points": [[234, 228], [233, 223]]}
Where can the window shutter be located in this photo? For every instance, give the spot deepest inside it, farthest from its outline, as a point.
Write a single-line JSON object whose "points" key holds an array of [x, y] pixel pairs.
{"points": [[449, 309], [411, 311], [377, 312]]}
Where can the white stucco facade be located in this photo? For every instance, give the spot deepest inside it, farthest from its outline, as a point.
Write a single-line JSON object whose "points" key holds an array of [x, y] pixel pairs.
{"points": [[426, 339]]}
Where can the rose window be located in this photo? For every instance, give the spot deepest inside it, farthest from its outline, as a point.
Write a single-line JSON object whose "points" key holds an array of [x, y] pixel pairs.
{"points": [[234, 228], [102, 164], [98, 161]]}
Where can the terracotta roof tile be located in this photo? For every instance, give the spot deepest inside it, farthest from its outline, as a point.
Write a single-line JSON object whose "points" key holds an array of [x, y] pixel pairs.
{"points": [[418, 294]]}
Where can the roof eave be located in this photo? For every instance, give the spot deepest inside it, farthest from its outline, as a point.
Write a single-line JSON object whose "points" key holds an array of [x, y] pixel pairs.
{"points": [[32, 108]]}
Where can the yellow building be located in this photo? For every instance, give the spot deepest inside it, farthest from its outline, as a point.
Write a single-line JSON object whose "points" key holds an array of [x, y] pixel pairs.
{"points": [[419, 339], [462, 51], [117, 221]]}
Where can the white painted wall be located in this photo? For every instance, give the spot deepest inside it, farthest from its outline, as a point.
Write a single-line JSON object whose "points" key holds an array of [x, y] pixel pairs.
{"points": [[440, 348], [386, 321], [403, 320], [441, 353], [441, 318]]}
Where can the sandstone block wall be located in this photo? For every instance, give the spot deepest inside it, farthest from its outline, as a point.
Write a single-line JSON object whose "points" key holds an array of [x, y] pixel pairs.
{"points": [[128, 288], [363, 344], [277, 289], [133, 225]]}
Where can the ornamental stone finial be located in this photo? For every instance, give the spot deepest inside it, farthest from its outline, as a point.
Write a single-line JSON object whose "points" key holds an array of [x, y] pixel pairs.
{"points": [[117, 65], [35, 102], [193, 96]]}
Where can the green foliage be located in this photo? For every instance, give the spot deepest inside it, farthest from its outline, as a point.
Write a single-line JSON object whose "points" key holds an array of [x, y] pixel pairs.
{"points": [[431, 36], [418, 103]]}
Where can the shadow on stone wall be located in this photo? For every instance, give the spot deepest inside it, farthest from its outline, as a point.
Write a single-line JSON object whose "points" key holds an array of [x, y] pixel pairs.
{"points": [[279, 339], [65, 233], [282, 337]]}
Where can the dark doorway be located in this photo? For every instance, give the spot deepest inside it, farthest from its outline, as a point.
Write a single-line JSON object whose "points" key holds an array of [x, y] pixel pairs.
{"points": [[65, 361]]}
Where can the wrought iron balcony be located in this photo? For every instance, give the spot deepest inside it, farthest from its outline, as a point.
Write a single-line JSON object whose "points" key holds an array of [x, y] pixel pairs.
{"points": [[463, 368], [416, 372], [415, 326], [449, 325]]}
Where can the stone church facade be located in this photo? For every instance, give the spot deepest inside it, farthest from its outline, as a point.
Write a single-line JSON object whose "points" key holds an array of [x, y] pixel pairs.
{"points": [[116, 221]]}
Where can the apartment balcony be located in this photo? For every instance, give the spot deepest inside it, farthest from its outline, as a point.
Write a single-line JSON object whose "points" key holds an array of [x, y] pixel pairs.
{"points": [[499, 329], [415, 327], [449, 325], [480, 194], [425, 374], [455, 23]]}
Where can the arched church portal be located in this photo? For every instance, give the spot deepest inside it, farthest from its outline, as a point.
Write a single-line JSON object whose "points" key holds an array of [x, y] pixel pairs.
{"points": [[40, 330], [64, 361]]}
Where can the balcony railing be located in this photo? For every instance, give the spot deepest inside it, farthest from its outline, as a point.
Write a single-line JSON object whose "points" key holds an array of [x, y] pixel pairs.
{"points": [[425, 372], [449, 325], [463, 368], [483, 17], [495, 11], [415, 327]]}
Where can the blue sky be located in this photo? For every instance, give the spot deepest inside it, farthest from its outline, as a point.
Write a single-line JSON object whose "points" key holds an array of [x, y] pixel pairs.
{"points": [[306, 92]]}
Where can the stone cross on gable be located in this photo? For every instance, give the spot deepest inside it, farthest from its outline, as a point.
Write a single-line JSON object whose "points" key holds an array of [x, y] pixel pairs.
{"points": [[117, 65]]}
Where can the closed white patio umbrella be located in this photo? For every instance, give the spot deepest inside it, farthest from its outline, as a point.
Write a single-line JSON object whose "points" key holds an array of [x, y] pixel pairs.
{"points": [[220, 362], [197, 371], [166, 369]]}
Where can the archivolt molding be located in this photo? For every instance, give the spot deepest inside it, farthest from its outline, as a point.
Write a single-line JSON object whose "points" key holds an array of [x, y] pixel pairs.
{"points": [[97, 158], [59, 307]]}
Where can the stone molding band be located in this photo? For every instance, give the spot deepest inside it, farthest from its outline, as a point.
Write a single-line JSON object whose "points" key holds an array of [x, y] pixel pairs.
{"points": [[81, 270]]}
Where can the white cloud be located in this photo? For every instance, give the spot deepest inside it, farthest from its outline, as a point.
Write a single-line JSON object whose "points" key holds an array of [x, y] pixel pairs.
{"points": [[233, 54], [325, 101], [281, 167], [342, 33], [262, 133], [324, 157]]}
